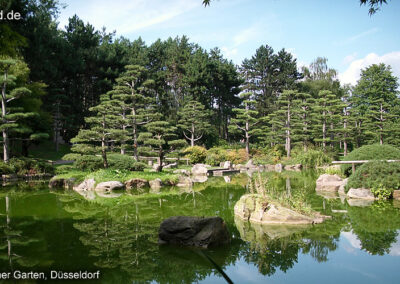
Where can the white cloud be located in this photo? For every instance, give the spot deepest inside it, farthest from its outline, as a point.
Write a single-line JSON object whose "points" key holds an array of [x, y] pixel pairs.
{"points": [[127, 16], [246, 35], [349, 58], [229, 52], [356, 37], [352, 74]]}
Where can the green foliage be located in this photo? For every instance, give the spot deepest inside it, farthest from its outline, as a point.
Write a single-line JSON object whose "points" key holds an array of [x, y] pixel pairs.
{"points": [[71, 157], [313, 158], [237, 156], [196, 154], [124, 175], [24, 166], [381, 192], [216, 155], [88, 163], [333, 170], [124, 162], [5, 168], [371, 152], [377, 175]]}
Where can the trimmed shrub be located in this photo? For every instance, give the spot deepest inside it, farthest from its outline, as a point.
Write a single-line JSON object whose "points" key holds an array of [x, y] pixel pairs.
{"points": [[124, 162], [5, 169], [215, 156], [196, 154], [371, 152], [313, 158], [23, 166], [89, 162], [237, 156], [71, 156], [377, 175]]}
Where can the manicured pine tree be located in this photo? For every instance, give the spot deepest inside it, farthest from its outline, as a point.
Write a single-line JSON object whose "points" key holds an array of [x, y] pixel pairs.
{"points": [[325, 114], [246, 119], [160, 139], [193, 121], [10, 116], [102, 130], [132, 95], [302, 126], [286, 115]]}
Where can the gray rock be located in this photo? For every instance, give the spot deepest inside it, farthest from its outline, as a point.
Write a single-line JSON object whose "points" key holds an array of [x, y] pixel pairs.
{"points": [[360, 193], [269, 168], [155, 184], [199, 169], [227, 165], [69, 183], [296, 167], [194, 231], [200, 179], [184, 181], [172, 165], [396, 194], [328, 182], [56, 182], [342, 186], [182, 172], [109, 186], [86, 185], [360, 202], [278, 168], [250, 164], [136, 183]]}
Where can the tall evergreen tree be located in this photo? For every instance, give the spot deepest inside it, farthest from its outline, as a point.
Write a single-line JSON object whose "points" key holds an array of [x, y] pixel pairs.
{"points": [[376, 92], [246, 119], [194, 120], [161, 139], [133, 96], [102, 130]]}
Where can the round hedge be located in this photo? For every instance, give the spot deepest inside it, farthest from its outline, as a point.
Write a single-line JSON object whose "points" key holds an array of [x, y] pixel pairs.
{"points": [[376, 174], [371, 152]]}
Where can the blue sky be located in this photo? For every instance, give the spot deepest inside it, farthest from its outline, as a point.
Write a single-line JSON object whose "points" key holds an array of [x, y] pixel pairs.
{"points": [[339, 30]]}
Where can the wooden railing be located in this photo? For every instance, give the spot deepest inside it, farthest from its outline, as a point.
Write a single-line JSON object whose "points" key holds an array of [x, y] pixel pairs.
{"points": [[353, 163]]}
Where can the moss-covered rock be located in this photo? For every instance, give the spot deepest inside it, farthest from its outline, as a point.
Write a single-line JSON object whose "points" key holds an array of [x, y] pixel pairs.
{"points": [[258, 209]]}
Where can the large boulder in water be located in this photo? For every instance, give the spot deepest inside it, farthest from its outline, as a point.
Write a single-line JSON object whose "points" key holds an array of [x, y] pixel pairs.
{"points": [[360, 193], [328, 182], [136, 183], [258, 209], [194, 231], [87, 184], [199, 169], [109, 186]]}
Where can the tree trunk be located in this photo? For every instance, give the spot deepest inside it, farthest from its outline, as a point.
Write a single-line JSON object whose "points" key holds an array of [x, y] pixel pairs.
{"points": [[323, 131], [192, 136], [134, 135], [123, 128], [103, 145], [381, 126], [288, 141], [345, 135], [160, 160], [3, 114]]}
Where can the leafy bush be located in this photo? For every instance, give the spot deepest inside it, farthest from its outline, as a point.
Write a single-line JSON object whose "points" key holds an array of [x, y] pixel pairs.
{"points": [[371, 152], [196, 154], [24, 166], [89, 162], [215, 156], [313, 158], [376, 175], [333, 170], [381, 192], [277, 153], [124, 162], [237, 156], [71, 156], [5, 169]]}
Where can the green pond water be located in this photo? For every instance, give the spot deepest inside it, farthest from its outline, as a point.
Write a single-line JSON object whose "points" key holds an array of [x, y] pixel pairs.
{"points": [[42, 230]]}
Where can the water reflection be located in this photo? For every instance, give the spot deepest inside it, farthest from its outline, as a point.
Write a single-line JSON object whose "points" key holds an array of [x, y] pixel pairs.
{"points": [[44, 230]]}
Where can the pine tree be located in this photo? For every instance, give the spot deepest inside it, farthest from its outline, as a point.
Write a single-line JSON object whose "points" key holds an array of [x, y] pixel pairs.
{"points": [[11, 116], [161, 139], [376, 92], [246, 119], [325, 115], [102, 130], [194, 121], [302, 125], [285, 116], [132, 96]]}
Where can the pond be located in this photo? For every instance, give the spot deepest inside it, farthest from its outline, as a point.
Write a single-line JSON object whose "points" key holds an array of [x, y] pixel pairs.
{"points": [[44, 230]]}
